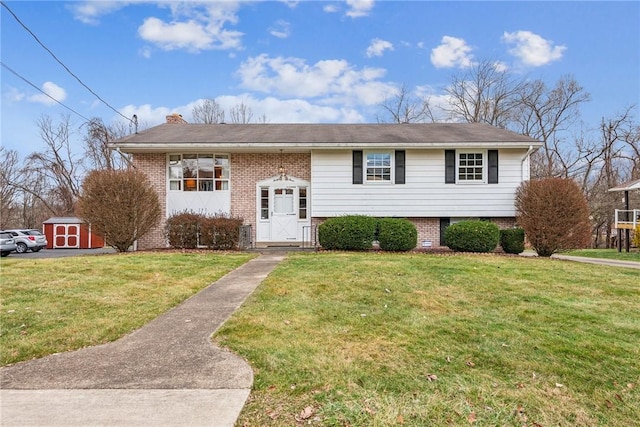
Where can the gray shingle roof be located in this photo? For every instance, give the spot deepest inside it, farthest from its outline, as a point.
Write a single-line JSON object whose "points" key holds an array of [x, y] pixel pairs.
{"points": [[171, 136]]}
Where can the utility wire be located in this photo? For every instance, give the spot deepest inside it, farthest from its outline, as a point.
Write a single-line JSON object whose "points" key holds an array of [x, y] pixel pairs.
{"points": [[61, 63], [37, 88]]}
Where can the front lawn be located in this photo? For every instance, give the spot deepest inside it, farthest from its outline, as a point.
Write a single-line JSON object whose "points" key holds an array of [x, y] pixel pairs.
{"points": [[368, 339], [62, 304]]}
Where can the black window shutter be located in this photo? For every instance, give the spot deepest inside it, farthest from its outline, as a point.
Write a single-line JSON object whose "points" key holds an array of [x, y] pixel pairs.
{"points": [[400, 168], [357, 167], [492, 161], [449, 166], [444, 223]]}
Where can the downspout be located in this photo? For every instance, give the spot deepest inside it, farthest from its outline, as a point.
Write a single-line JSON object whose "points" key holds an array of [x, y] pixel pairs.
{"points": [[526, 156]]}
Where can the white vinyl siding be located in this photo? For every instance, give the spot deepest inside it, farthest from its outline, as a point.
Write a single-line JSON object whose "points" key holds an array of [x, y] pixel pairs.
{"points": [[424, 194]]}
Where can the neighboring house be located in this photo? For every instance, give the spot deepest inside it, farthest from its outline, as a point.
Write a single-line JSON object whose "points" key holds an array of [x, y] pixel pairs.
{"points": [[285, 179]]}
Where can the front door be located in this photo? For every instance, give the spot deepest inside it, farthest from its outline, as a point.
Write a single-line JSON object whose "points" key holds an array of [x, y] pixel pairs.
{"points": [[282, 210], [284, 222]]}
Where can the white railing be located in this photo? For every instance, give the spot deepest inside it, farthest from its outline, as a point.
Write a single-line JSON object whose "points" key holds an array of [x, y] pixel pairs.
{"points": [[627, 218]]}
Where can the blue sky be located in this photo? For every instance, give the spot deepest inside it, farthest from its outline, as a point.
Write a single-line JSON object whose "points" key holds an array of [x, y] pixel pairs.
{"points": [[298, 61]]}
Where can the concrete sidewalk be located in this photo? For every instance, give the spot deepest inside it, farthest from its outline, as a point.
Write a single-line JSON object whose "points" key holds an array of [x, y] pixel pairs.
{"points": [[599, 261], [166, 373]]}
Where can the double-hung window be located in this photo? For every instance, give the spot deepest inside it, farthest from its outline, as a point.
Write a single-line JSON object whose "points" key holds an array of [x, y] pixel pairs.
{"points": [[375, 167], [378, 167], [198, 172], [471, 167]]}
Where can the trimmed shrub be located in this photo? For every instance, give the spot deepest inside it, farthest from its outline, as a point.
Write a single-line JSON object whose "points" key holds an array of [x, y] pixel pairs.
{"points": [[220, 232], [472, 236], [348, 233], [512, 240], [397, 234], [181, 230], [635, 241]]}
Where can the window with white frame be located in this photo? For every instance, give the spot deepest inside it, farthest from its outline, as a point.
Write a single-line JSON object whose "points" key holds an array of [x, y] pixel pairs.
{"points": [[199, 172], [378, 167], [471, 167]]}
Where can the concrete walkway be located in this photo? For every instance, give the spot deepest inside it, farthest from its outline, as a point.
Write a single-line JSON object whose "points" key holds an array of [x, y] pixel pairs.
{"points": [[166, 373], [599, 261]]}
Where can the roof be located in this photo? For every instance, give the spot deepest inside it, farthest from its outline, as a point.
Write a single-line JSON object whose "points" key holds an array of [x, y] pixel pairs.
{"points": [[627, 186], [63, 220], [303, 137]]}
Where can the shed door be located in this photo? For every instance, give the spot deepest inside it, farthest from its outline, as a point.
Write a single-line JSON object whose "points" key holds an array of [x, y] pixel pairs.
{"points": [[66, 236]]}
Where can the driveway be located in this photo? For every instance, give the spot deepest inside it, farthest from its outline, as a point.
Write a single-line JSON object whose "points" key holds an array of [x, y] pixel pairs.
{"points": [[59, 253]]}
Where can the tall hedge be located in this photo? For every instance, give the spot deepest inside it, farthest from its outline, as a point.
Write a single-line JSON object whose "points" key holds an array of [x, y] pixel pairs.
{"points": [[351, 232], [397, 234], [472, 236]]}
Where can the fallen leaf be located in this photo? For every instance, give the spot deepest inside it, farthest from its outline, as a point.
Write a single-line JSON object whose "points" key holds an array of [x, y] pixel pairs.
{"points": [[608, 403], [400, 419], [306, 413], [558, 385], [520, 385], [369, 410], [631, 385], [432, 377], [472, 418], [470, 364], [619, 397], [449, 359]]}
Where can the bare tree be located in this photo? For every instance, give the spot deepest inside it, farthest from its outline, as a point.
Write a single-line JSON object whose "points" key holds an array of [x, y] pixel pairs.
{"points": [[403, 107], [544, 114], [53, 175], [241, 113], [207, 111], [97, 151], [484, 93], [9, 172]]}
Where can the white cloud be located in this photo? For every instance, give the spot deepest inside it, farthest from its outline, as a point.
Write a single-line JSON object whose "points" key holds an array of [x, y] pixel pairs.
{"points": [[330, 8], [89, 12], [377, 47], [452, 52], [281, 29], [532, 49], [194, 27], [359, 8], [13, 95], [53, 90], [335, 81], [273, 109]]}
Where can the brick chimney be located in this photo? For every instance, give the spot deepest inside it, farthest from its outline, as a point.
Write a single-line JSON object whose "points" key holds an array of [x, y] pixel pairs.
{"points": [[176, 118]]}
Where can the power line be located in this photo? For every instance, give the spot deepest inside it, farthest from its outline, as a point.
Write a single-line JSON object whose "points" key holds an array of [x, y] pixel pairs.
{"points": [[61, 63], [37, 88]]}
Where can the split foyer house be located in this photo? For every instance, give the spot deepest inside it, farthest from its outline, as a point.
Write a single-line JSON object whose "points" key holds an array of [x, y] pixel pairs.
{"points": [[285, 179]]}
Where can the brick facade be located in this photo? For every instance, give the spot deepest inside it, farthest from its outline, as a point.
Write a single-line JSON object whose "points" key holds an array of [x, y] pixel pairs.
{"points": [[154, 166], [249, 169]]}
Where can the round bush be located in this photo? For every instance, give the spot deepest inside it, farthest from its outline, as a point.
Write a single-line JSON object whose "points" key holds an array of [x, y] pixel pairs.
{"points": [[472, 236], [397, 234], [181, 230], [512, 240], [347, 233]]}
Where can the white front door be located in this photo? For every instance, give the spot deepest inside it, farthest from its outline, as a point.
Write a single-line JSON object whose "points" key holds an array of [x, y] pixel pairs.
{"points": [[282, 213], [284, 221]]}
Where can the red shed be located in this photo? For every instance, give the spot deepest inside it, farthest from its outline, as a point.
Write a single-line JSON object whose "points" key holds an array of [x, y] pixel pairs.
{"points": [[70, 232]]}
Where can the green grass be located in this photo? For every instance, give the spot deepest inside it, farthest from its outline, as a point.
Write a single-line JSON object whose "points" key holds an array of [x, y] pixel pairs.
{"points": [[62, 304], [369, 339], [633, 255]]}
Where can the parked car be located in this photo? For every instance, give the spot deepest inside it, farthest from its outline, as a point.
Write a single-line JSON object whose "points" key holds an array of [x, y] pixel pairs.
{"points": [[28, 239], [7, 244]]}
